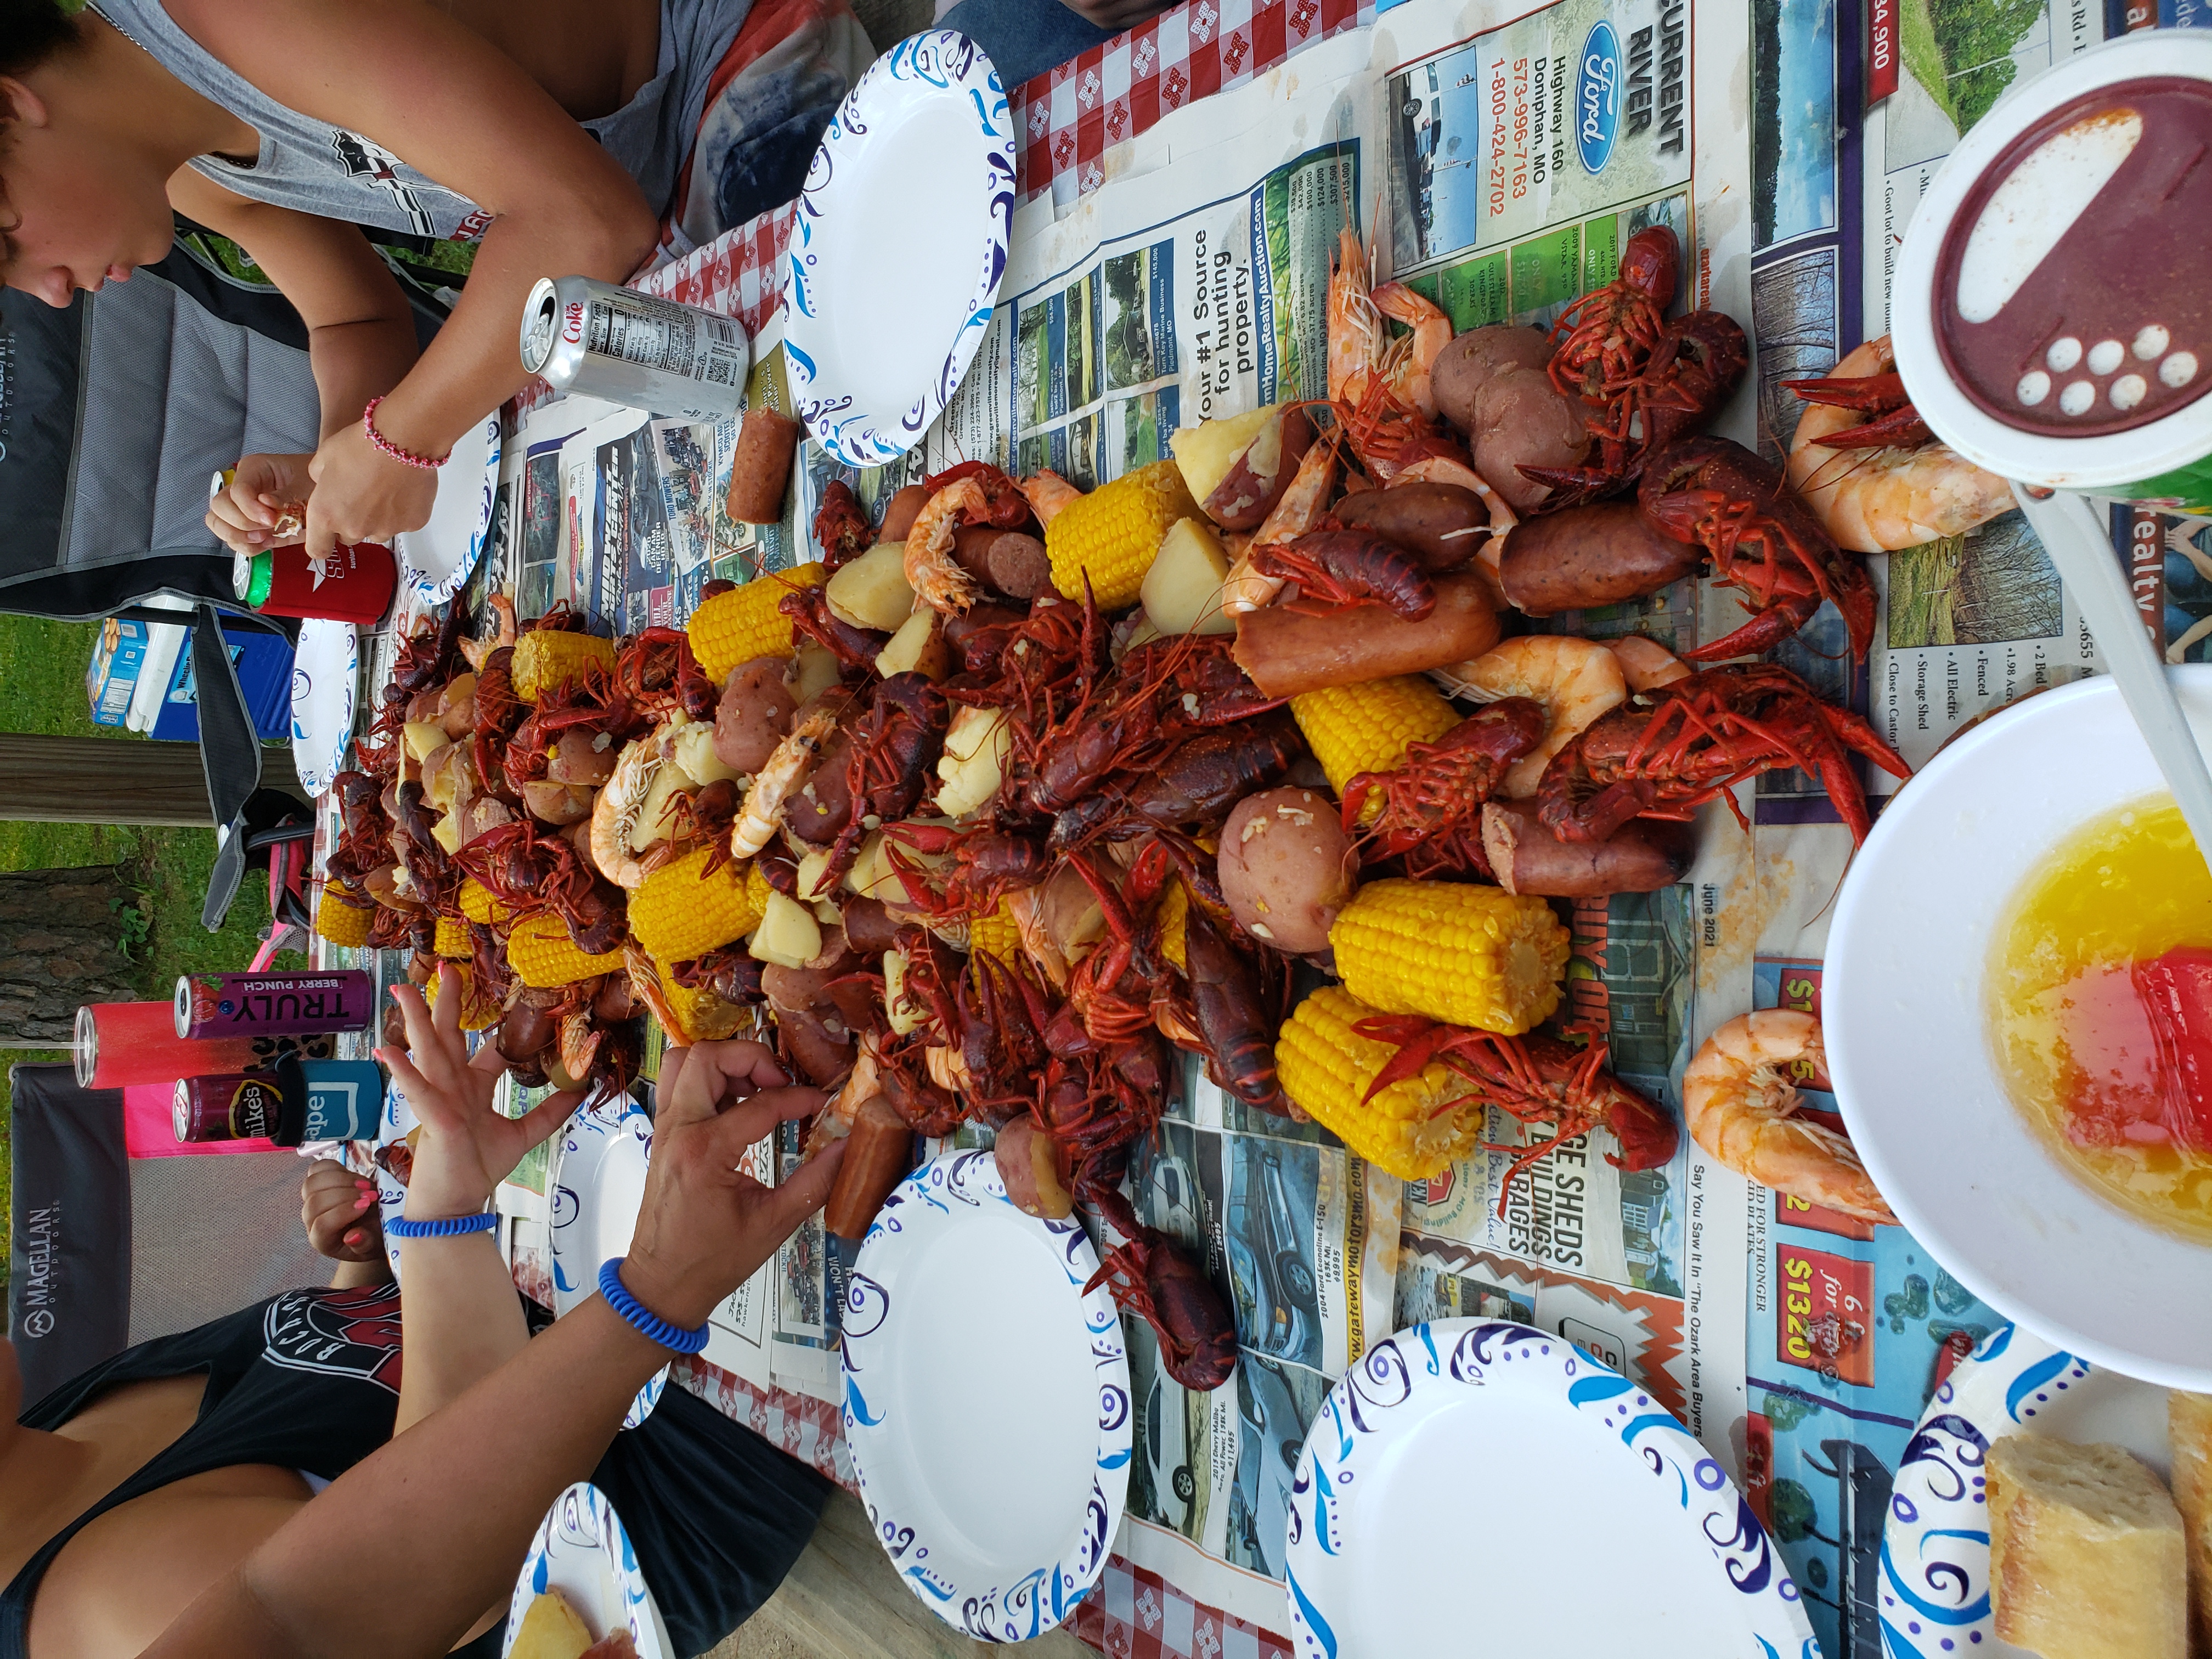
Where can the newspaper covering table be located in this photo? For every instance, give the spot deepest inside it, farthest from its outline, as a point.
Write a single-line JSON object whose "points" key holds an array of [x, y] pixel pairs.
{"points": [[1499, 161]]}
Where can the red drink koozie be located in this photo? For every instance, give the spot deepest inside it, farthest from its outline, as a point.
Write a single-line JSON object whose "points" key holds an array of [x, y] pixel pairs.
{"points": [[354, 584]]}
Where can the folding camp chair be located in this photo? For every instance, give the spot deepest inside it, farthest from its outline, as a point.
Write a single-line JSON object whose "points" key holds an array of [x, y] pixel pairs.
{"points": [[114, 414]]}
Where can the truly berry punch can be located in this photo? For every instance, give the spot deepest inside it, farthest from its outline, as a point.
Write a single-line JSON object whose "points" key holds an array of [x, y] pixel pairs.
{"points": [[601, 341], [274, 1004]]}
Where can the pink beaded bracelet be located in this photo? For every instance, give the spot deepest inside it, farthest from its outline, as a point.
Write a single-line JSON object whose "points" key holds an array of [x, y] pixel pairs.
{"points": [[392, 450]]}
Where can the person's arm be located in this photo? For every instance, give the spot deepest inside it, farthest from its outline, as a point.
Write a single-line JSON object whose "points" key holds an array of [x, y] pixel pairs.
{"points": [[454, 106], [442, 1516], [459, 1317]]}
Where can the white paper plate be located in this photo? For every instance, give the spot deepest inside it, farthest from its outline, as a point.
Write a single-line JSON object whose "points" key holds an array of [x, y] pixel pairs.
{"points": [[325, 671], [582, 1551], [1567, 1512], [437, 559], [1935, 1548], [987, 1401], [912, 190], [597, 1186], [399, 1117], [1906, 1025]]}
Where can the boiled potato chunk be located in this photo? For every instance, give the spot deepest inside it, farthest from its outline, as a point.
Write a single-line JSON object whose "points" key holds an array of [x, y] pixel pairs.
{"points": [[1182, 589], [818, 671], [973, 761], [1205, 453], [788, 936], [656, 817], [871, 592], [424, 739], [447, 832], [692, 745], [906, 1013], [813, 882], [917, 648]]}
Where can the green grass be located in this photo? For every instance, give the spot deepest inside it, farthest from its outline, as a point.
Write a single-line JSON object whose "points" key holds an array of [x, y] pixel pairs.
{"points": [[42, 691], [1924, 57], [1923, 583]]}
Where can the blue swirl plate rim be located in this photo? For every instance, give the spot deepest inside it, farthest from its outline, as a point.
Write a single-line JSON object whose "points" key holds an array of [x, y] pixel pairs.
{"points": [[1014, 1599], [393, 1124], [436, 560], [325, 668], [582, 1550], [935, 63], [1450, 1365], [1934, 1601], [605, 1129]]}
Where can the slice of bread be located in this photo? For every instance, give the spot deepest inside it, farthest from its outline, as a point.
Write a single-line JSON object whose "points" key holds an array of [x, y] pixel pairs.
{"points": [[2189, 1439], [2087, 1558], [551, 1630]]}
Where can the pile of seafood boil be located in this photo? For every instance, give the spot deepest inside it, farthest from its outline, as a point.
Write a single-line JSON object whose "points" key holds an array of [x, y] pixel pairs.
{"points": [[1019, 789]]}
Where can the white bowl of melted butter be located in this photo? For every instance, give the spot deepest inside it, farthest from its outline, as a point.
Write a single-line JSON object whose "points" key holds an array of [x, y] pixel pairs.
{"points": [[1990, 1053]]}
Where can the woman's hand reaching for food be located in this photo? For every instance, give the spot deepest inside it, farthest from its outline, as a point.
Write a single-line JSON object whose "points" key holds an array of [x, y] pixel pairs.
{"points": [[265, 503], [466, 1147], [706, 1226]]}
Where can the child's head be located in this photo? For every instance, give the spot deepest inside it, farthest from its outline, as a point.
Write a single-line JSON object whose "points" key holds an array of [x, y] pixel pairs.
{"points": [[79, 203]]}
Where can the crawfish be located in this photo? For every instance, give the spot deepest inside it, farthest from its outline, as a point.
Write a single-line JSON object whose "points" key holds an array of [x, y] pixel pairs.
{"points": [[587, 699], [893, 749], [1198, 781], [1538, 1080], [1152, 1276], [1718, 496], [986, 865], [498, 712], [1667, 750], [657, 675], [424, 658], [841, 526], [1336, 569], [1047, 661], [429, 871], [1238, 1031], [855, 648], [731, 973], [1431, 805], [534, 874], [1607, 337], [364, 832], [1696, 368]]}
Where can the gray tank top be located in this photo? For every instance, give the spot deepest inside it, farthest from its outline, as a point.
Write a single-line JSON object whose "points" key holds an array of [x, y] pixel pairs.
{"points": [[318, 169]]}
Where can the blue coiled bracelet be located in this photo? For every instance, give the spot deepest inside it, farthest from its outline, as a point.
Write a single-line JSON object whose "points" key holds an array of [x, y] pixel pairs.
{"points": [[448, 1227], [650, 1324]]}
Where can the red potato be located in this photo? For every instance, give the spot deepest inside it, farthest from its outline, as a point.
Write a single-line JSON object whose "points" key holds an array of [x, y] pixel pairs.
{"points": [[581, 758], [1286, 652], [755, 715], [558, 804], [1600, 554], [1644, 855], [900, 511], [1029, 1163], [870, 927], [456, 706], [1287, 868], [1475, 358], [1238, 468], [1442, 524], [760, 469], [879, 1151], [1521, 419]]}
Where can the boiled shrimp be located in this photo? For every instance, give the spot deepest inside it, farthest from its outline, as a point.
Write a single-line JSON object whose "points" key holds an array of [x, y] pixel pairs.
{"points": [[1742, 1109], [1295, 512], [1046, 493], [776, 782], [1574, 680], [479, 651], [937, 582], [1646, 664], [1875, 500], [621, 799], [1360, 346]]}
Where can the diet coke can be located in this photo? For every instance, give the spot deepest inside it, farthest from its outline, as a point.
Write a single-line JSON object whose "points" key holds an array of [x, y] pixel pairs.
{"points": [[601, 341]]}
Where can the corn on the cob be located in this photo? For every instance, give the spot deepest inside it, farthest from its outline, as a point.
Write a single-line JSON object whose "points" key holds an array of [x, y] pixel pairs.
{"points": [[1413, 1128], [1365, 727], [680, 911], [1113, 534], [341, 916], [546, 657], [477, 902], [745, 622], [996, 934], [544, 957], [1465, 954], [478, 1013], [1174, 919], [453, 942]]}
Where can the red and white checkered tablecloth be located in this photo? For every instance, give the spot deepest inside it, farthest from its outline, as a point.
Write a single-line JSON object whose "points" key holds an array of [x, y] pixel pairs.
{"points": [[1067, 118]]}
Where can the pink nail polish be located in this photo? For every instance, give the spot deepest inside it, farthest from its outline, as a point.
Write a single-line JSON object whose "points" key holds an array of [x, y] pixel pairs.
{"points": [[362, 1202], [353, 1237]]}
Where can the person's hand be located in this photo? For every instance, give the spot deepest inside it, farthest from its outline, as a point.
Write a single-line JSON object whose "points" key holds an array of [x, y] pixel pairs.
{"points": [[466, 1148], [262, 490], [362, 495], [706, 1226], [1116, 14], [338, 1210]]}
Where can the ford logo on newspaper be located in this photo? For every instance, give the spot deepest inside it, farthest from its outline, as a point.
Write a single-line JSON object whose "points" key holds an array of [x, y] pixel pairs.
{"points": [[1597, 97]]}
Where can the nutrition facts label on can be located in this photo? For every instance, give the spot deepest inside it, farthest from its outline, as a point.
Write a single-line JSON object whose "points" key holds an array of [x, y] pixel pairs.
{"points": [[663, 341]]}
